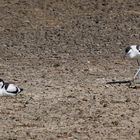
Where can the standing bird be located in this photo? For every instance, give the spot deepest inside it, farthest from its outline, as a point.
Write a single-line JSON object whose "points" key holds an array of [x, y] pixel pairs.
{"points": [[133, 52], [8, 89]]}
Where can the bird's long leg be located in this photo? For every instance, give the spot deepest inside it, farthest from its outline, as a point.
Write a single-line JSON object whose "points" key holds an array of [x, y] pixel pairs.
{"points": [[136, 74], [138, 68], [138, 71], [134, 81]]}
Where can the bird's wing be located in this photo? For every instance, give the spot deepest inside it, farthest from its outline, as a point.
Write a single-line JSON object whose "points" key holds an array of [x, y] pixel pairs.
{"points": [[11, 88], [138, 47]]}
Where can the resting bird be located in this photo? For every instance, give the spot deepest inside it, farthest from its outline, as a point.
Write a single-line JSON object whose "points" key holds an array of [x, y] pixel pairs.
{"points": [[133, 52], [8, 89]]}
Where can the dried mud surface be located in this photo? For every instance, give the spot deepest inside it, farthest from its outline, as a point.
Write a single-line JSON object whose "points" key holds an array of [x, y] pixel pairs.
{"points": [[62, 53]]}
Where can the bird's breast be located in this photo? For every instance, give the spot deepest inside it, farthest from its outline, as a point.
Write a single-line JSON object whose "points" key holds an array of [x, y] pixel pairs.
{"points": [[134, 54]]}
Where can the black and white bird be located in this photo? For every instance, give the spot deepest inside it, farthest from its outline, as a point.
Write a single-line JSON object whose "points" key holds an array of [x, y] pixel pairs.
{"points": [[8, 89], [133, 52]]}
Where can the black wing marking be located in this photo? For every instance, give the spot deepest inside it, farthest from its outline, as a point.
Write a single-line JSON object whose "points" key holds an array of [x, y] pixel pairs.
{"points": [[138, 47], [6, 87], [127, 49]]}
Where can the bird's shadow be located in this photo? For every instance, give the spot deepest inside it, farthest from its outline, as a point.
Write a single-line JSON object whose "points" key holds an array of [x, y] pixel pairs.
{"points": [[129, 83], [119, 82]]}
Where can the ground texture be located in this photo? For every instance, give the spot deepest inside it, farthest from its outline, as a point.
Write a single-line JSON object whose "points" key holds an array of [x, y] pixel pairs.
{"points": [[62, 52]]}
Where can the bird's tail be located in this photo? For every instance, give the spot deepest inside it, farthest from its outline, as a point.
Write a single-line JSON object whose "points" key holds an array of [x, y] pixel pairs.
{"points": [[20, 90]]}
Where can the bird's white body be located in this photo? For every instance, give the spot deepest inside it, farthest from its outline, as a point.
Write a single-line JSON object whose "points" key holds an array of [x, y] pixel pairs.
{"points": [[7, 89], [133, 52]]}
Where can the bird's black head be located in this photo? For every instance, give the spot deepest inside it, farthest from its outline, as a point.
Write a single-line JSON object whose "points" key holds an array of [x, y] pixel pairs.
{"points": [[127, 49], [1, 83], [1, 80]]}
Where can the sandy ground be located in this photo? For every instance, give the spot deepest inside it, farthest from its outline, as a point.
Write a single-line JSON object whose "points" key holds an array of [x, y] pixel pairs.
{"points": [[62, 53]]}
